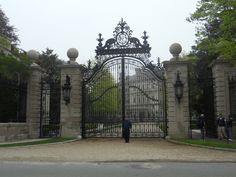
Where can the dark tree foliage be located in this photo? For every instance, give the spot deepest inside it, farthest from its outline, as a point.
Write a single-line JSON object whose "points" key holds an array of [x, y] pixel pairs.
{"points": [[50, 62], [6, 29], [216, 28], [12, 66], [201, 98]]}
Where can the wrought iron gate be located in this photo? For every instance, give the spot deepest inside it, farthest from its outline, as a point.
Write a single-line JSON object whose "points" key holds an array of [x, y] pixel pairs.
{"points": [[124, 85], [50, 108]]}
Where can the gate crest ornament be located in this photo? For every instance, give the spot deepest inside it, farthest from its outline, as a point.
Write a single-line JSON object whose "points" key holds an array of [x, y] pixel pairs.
{"points": [[123, 43]]}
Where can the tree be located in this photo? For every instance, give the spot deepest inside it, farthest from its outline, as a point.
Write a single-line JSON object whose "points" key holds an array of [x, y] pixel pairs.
{"points": [[6, 29], [50, 62], [51, 82], [12, 66], [216, 28], [104, 94]]}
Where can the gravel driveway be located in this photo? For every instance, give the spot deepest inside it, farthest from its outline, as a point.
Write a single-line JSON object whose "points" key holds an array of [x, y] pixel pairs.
{"points": [[109, 149]]}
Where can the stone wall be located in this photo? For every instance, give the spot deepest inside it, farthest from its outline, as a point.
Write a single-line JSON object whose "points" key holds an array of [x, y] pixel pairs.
{"points": [[13, 131], [30, 129]]}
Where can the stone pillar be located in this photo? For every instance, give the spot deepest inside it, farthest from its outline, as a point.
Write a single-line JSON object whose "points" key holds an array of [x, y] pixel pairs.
{"points": [[221, 87], [177, 111], [71, 114], [33, 101]]}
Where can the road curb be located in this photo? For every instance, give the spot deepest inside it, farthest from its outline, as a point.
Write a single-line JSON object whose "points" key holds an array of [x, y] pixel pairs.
{"points": [[163, 161], [201, 146]]}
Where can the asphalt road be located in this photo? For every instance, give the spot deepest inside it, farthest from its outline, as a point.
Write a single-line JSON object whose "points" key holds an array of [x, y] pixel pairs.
{"points": [[124, 169]]}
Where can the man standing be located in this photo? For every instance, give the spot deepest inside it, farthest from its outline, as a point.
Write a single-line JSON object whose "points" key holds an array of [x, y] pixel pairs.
{"points": [[126, 128], [229, 126], [221, 126], [202, 125]]}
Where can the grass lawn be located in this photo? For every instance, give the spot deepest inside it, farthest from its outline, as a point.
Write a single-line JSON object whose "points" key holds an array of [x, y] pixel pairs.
{"points": [[210, 143], [43, 141]]}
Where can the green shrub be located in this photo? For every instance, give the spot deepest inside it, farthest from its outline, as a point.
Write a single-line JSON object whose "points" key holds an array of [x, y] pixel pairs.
{"points": [[10, 66]]}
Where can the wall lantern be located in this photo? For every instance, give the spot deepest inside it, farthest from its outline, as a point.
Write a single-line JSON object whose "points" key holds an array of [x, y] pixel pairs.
{"points": [[178, 88], [66, 88]]}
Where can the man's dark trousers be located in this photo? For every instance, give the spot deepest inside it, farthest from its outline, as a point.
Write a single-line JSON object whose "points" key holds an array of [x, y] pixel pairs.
{"points": [[127, 135]]}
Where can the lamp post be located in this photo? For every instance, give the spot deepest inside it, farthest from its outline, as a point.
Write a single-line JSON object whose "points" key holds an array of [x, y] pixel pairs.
{"points": [[66, 89], [178, 88]]}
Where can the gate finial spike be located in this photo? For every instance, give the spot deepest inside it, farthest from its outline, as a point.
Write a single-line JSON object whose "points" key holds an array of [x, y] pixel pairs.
{"points": [[99, 39], [145, 37], [158, 61], [122, 24]]}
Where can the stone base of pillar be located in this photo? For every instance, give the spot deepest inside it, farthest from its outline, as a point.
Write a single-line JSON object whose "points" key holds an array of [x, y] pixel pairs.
{"points": [[34, 130], [70, 130], [178, 130]]}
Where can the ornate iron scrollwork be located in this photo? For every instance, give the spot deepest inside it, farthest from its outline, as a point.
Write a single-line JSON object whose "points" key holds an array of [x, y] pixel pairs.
{"points": [[123, 43]]}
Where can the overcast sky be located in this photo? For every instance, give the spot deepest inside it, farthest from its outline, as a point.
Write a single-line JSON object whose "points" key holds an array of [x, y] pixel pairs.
{"points": [[62, 24]]}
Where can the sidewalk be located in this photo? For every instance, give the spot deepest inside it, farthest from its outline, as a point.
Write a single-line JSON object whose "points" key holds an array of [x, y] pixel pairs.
{"points": [[115, 150]]}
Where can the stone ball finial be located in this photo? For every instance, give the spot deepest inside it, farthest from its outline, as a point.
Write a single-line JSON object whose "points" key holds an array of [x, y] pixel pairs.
{"points": [[33, 54], [72, 54], [175, 49]]}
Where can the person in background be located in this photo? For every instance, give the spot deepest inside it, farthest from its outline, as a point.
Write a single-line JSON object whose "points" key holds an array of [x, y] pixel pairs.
{"points": [[229, 127], [221, 126], [202, 125], [127, 125]]}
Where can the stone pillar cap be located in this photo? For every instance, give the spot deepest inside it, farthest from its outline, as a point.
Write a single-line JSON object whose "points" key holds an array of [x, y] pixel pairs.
{"points": [[175, 49], [72, 54]]}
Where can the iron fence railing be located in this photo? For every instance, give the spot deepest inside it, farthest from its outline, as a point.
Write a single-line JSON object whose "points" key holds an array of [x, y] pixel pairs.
{"points": [[12, 100]]}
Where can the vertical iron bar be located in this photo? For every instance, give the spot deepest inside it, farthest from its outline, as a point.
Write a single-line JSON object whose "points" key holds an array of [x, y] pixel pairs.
{"points": [[164, 107], [18, 101], [123, 89], [189, 106], [41, 107], [83, 110]]}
